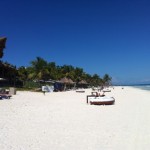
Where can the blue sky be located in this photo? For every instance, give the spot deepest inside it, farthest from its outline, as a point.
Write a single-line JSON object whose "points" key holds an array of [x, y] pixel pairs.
{"points": [[101, 36]]}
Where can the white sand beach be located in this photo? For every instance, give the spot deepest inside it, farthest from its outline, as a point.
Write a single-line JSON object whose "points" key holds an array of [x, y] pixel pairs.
{"points": [[63, 121]]}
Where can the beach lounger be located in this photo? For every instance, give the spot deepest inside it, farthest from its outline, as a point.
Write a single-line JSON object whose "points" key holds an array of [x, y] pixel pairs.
{"points": [[106, 90], [94, 95], [80, 91], [97, 94], [6, 96], [101, 100]]}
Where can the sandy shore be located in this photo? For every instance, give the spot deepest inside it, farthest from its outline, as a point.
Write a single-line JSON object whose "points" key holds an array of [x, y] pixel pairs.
{"points": [[63, 120]]}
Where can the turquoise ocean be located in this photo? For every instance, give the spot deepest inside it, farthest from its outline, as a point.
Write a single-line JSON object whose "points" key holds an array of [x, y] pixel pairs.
{"points": [[143, 87]]}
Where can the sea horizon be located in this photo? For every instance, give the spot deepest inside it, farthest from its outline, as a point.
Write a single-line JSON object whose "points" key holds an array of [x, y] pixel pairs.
{"points": [[143, 86]]}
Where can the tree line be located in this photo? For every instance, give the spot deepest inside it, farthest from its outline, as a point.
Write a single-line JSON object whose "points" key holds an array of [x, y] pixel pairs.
{"points": [[40, 69]]}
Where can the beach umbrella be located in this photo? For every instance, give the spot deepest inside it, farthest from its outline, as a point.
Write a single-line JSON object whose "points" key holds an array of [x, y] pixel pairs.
{"points": [[70, 81], [82, 82], [64, 80]]}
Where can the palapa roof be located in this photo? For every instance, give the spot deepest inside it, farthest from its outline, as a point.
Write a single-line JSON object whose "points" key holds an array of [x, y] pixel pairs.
{"points": [[66, 81], [82, 82], [2, 46], [2, 42], [70, 81]]}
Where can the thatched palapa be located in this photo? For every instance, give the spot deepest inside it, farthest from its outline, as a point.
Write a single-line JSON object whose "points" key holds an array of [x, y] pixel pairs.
{"points": [[67, 83], [2, 46], [64, 80], [82, 82]]}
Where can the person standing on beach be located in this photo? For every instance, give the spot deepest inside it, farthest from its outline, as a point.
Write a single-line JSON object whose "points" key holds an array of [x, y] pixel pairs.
{"points": [[43, 89], [44, 92]]}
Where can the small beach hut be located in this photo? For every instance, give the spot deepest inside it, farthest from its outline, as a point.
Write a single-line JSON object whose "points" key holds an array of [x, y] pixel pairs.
{"points": [[82, 84], [70, 81], [64, 81], [67, 82], [72, 84]]}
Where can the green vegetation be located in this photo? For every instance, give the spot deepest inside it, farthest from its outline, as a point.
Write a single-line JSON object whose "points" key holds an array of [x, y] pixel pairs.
{"points": [[40, 69]]}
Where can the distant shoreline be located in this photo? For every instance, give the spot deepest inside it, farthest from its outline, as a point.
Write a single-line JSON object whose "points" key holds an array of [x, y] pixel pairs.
{"points": [[138, 86]]}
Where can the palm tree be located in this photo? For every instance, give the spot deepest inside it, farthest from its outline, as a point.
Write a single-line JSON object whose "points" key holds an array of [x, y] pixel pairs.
{"points": [[78, 74], [53, 71], [95, 80], [43, 70], [39, 69], [23, 74], [107, 80]]}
